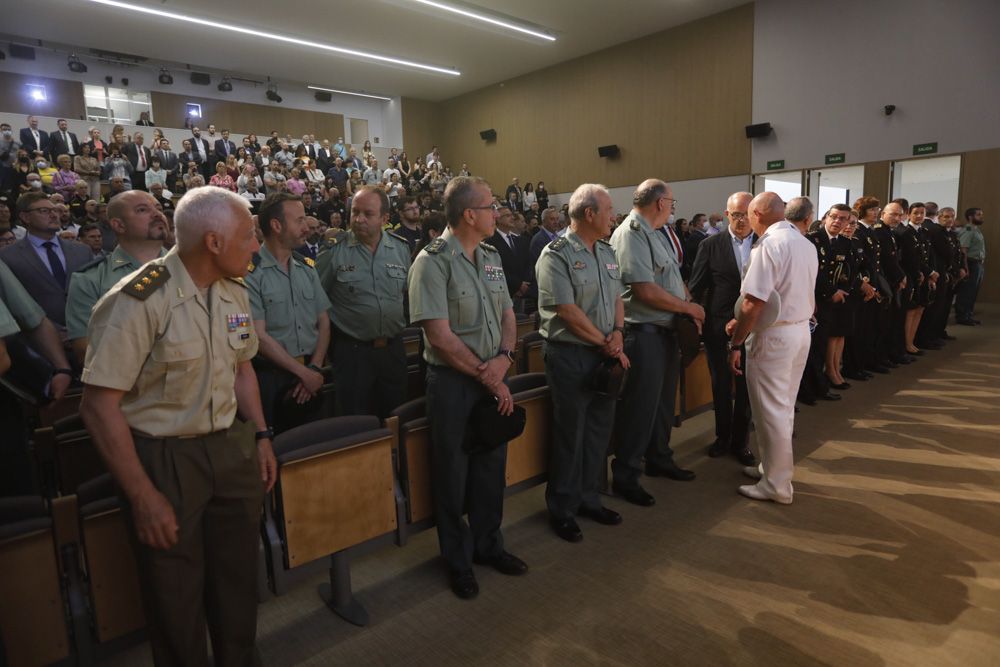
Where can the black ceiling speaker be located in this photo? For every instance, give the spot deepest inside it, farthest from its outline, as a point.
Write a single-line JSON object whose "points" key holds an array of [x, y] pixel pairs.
{"points": [[611, 150], [166, 78], [488, 135], [76, 65], [225, 85], [200, 78], [758, 130], [22, 52], [324, 96]]}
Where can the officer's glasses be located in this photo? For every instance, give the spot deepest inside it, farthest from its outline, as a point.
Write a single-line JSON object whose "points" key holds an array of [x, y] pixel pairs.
{"points": [[495, 207]]}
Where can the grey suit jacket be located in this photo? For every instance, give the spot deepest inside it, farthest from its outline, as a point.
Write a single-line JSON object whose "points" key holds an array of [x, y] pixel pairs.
{"points": [[24, 262]]}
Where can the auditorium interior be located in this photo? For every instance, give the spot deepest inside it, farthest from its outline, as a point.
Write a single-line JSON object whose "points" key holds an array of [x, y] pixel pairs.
{"points": [[889, 554]]}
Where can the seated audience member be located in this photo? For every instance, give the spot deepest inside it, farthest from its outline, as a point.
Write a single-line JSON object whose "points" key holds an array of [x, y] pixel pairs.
{"points": [[116, 186], [116, 166], [222, 179], [163, 197], [64, 180], [156, 173], [7, 237], [78, 201], [90, 236]]}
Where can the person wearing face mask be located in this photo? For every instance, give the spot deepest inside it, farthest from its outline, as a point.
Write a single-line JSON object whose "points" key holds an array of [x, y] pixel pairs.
{"points": [[8, 145], [45, 170]]}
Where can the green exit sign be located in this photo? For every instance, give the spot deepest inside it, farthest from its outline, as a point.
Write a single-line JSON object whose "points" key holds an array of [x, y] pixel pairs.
{"points": [[925, 149], [775, 164], [835, 158]]}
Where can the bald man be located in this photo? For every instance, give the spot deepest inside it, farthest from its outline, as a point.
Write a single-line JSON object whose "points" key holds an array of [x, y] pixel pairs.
{"points": [[782, 263]]}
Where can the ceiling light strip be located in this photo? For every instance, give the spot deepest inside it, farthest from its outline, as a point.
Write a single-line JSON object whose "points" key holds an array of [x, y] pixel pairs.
{"points": [[279, 38], [347, 92], [486, 19]]}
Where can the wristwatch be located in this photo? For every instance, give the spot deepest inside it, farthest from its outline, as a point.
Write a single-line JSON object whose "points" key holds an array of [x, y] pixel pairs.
{"points": [[506, 353], [733, 347], [267, 434]]}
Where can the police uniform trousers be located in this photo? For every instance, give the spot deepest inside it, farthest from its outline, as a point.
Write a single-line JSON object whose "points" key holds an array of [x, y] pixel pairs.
{"points": [[210, 575], [935, 319], [581, 429], [472, 483], [646, 413], [776, 358], [280, 411], [369, 376], [968, 290], [814, 381], [729, 393]]}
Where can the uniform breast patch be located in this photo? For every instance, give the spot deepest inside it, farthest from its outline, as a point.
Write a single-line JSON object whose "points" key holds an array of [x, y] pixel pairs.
{"points": [[238, 322], [578, 265], [493, 273], [611, 266]]}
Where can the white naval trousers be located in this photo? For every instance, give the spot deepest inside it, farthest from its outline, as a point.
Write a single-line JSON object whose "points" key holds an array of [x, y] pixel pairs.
{"points": [[775, 360]]}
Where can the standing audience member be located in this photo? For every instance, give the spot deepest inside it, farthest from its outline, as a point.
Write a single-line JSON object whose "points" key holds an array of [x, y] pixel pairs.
{"points": [[974, 247], [782, 263]]}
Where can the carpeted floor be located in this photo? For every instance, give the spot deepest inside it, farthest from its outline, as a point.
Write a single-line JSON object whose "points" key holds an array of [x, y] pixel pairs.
{"points": [[890, 554]]}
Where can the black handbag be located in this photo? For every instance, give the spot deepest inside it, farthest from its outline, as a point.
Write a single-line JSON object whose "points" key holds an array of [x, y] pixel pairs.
{"points": [[488, 429]]}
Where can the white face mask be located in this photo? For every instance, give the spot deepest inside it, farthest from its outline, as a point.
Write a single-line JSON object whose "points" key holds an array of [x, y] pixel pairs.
{"points": [[36, 184], [671, 219], [42, 165]]}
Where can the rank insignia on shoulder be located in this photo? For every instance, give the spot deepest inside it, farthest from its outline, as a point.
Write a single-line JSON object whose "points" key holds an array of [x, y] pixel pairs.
{"points": [[254, 261], [147, 282], [436, 246], [397, 236], [239, 281], [487, 247], [310, 262], [559, 243]]}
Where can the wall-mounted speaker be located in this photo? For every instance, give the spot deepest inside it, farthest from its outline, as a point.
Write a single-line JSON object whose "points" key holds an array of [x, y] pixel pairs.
{"points": [[488, 135], [611, 150], [758, 130], [324, 96], [22, 52], [200, 78]]}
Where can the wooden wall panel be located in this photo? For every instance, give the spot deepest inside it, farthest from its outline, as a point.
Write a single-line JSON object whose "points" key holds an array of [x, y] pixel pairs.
{"points": [[64, 99], [421, 126], [877, 180], [978, 187], [242, 118], [675, 108]]}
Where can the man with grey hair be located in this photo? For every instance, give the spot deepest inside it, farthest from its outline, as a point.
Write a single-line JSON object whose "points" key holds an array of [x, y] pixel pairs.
{"points": [[167, 370], [799, 212], [548, 231], [582, 319], [654, 296], [782, 274]]}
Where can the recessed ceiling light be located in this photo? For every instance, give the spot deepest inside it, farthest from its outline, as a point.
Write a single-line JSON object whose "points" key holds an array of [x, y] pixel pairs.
{"points": [[347, 92], [486, 19], [276, 37]]}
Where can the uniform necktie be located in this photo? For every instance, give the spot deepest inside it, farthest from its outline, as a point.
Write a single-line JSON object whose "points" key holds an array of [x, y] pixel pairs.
{"points": [[55, 264]]}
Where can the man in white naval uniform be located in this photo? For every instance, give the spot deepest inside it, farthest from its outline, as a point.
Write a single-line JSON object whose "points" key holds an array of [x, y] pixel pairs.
{"points": [[780, 263]]}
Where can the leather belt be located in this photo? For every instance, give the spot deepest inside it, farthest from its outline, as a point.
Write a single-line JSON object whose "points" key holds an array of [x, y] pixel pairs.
{"points": [[647, 328], [376, 343]]}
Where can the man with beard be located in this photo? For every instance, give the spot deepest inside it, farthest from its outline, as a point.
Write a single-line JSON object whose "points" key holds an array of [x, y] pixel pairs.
{"points": [[141, 229], [974, 247]]}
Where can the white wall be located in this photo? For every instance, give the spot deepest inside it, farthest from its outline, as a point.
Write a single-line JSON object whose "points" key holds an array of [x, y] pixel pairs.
{"points": [[384, 118], [823, 71], [706, 195]]}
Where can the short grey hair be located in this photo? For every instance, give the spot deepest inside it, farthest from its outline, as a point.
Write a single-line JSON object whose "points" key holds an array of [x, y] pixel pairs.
{"points": [[204, 210], [459, 195], [799, 209], [584, 197], [551, 210], [648, 192]]}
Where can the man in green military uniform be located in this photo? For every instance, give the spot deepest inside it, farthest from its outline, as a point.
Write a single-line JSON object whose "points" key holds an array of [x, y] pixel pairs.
{"points": [[582, 319], [458, 295], [364, 274], [654, 295], [167, 370], [289, 311], [974, 246], [141, 228]]}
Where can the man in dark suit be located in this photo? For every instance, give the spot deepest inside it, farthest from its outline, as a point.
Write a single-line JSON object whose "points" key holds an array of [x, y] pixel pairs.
{"points": [[170, 161], [930, 333], [41, 260], [696, 234], [715, 284], [548, 231], [63, 142], [139, 156], [224, 147], [201, 152], [325, 157], [513, 251], [33, 139], [308, 146]]}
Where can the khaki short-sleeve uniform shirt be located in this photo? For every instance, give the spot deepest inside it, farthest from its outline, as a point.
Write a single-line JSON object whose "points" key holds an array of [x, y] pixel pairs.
{"points": [[645, 258], [568, 272], [174, 352], [471, 295], [367, 291], [288, 301]]}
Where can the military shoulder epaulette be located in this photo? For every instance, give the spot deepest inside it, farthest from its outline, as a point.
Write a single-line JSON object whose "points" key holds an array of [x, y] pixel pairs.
{"points": [[487, 247], [302, 259], [147, 282], [97, 261], [337, 238], [436, 246], [254, 263], [559, 243], [605, 242], [239, 281], [398, 237]]}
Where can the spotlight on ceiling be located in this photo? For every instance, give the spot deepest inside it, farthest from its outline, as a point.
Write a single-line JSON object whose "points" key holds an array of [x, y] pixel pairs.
{"points": [[75, 65], [166, 78], [225, 85], [272, 93]]}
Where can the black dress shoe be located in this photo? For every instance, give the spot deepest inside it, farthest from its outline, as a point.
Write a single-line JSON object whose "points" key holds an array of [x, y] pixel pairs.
{"points": [[505, 563], [717, 449], [859, 376], [745, 456], [602, 515], [670, 472], [806, 400], [946, 336], [966, 323], [840, 387], [635, 495], [880, 369], [464, 585], [567, 529], [830, 396]]}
